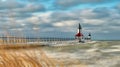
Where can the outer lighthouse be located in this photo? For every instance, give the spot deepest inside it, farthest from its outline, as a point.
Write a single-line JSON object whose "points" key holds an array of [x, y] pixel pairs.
{"points": [[89, 37], [79, 35]]}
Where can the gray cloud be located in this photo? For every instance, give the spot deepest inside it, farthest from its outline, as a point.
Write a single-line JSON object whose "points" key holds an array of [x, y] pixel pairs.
{"points": [[36, 0], [10, 4], [13, 14], [30, 8], [15, 6], [63, 16], [64, 4]]}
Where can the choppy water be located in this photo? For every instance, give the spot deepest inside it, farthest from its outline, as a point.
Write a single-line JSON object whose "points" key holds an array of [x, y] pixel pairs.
{"points": [[92, 54]]}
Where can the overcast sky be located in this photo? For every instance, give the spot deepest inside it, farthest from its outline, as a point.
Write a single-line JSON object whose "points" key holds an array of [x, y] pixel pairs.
{"points": [[61, 17]]}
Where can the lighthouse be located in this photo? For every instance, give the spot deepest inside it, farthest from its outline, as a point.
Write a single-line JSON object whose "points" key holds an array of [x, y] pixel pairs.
{"points": [[89, 36], [79, 35]]}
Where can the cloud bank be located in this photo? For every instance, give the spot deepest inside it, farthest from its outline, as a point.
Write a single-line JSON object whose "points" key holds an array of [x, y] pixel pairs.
{"points": [[61, 16]]}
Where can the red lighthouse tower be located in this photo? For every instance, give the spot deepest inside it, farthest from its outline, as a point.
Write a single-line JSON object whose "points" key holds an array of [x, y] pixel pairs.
{"points": [[79, 35]]}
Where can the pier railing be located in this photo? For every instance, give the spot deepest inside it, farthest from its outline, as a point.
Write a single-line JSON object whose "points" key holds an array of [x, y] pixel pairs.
{"points": [[31, 40]]}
